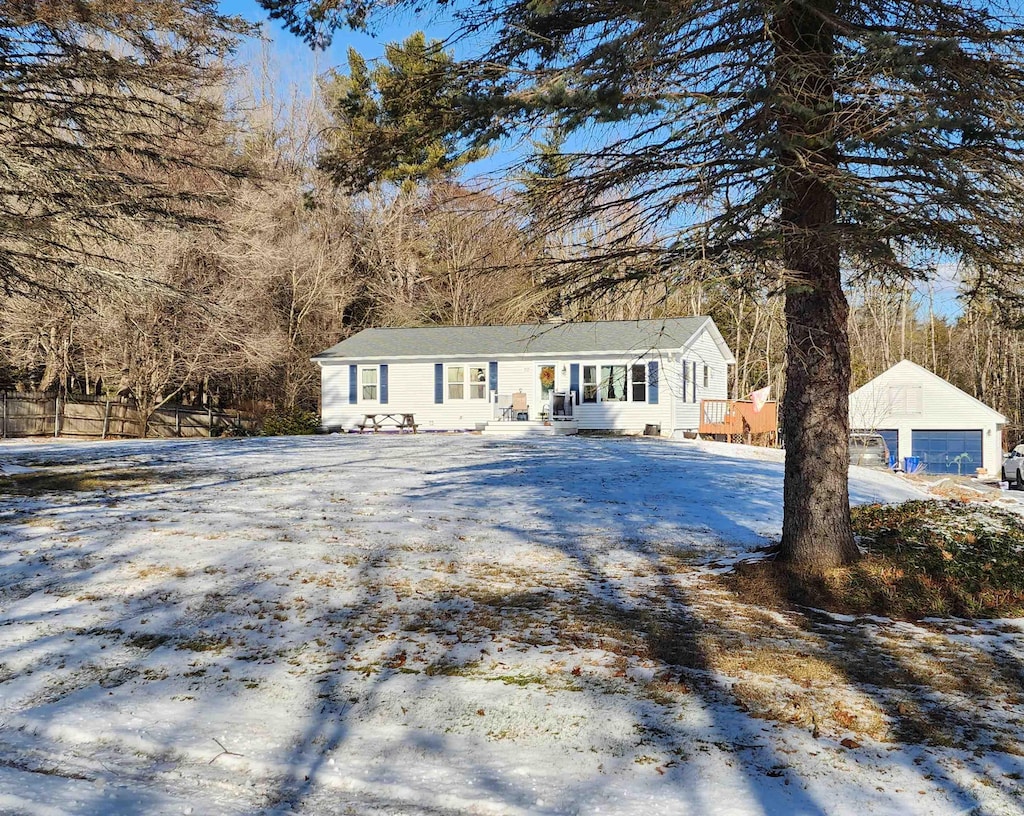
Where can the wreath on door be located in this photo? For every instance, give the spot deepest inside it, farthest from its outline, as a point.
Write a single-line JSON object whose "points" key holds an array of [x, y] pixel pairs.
{"points": [[547, 377]]}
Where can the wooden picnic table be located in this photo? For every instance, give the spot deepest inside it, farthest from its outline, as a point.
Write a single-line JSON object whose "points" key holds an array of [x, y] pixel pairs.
{"points": [[378, 422]]}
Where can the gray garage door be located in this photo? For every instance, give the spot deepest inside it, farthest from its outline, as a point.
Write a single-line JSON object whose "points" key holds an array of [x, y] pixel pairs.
{"points": [[947, 451]]}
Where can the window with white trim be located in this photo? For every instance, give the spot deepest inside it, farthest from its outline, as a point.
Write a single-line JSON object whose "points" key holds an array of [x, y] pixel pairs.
{"points": [[477, 382], [589, 383], [369, 379], [466, 382], [613, 383], [638, 382], [707, 376]]}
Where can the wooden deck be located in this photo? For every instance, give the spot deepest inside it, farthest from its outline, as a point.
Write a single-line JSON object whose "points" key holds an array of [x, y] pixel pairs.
{"points": [[737, 421]]}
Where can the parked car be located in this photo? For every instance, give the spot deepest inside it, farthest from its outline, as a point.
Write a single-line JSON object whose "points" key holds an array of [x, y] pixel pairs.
{"points": [[868, 450], [1013, 467]]}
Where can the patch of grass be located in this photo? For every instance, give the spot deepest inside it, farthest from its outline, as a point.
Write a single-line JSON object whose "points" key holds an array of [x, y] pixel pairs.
{"points": [[922, 559], [159, 571], [445, 669], [147, 641], [205, 643], [762, 700], [523, 680], [64, 480], [801, 668]]}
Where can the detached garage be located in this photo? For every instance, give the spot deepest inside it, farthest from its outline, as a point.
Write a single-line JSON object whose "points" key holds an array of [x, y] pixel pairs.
{"points": [[922, 415]]}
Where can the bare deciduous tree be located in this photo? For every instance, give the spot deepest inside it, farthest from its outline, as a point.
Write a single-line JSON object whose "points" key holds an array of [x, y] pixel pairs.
{"points": [[106, 119]]}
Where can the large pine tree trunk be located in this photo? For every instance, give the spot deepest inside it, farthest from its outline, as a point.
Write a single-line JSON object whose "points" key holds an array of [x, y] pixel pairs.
{"points": [[816, 533], [816, 530]]}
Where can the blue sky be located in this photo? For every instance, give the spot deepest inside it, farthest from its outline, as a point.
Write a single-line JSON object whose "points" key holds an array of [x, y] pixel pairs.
{"points": [[298, 62]]}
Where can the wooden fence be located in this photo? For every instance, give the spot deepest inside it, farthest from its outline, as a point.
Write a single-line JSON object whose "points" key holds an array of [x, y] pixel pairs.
{"points": [[48, 415]]}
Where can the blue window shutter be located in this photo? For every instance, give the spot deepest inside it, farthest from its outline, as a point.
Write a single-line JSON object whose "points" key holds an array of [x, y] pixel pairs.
{"points": [[438, 383], [353, 384], [686, 380], [652, 382], [694, 378], [492, 375], [384, 384], [574, 380]]}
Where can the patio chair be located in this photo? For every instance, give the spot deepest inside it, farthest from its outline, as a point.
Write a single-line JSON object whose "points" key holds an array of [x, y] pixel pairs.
{"points": [[520, 407], [502, 406], [561, 405]]}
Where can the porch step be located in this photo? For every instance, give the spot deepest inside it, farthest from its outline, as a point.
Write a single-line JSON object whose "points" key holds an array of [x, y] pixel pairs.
{"points": [[532, 427]]}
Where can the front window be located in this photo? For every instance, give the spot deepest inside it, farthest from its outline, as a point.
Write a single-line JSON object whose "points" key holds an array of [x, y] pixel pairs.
{"points": [[467, 382], [477, 382], [639, 382], [456, 382], [589, 383], [613, 383], [369, 382]]}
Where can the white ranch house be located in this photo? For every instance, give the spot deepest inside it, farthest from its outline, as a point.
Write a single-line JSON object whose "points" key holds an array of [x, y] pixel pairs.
{"points": [[624, 376], [924, 416]]}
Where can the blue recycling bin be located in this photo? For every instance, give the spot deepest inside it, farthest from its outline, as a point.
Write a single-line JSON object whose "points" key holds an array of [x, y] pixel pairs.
{"points": [[893, 461], [911, 463]]}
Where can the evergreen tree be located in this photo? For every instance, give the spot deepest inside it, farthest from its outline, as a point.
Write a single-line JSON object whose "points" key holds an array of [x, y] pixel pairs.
{"points": [[398, 121], [818, 134]]}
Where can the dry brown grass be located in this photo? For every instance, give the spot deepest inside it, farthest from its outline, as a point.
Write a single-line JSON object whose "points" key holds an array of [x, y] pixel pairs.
{"points": [[874, 585], [804, 669], [47, 480], [923, 559], [158, 571]]}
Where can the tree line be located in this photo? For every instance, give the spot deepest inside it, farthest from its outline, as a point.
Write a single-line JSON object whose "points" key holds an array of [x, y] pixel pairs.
{"points": [[309, 233]]}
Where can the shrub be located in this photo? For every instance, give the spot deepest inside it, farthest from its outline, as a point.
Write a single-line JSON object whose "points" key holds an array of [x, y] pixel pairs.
{"points": [[291, 423], [921, 558]]}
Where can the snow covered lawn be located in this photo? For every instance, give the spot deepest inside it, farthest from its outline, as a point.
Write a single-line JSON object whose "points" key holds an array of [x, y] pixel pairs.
{"points": [[452, 625]]}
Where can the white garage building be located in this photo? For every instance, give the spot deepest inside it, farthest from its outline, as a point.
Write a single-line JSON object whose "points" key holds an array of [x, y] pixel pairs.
{"points": [[922, 415]]}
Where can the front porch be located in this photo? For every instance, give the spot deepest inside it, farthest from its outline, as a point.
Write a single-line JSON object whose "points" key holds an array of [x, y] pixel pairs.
{"points": [[512, 416]]}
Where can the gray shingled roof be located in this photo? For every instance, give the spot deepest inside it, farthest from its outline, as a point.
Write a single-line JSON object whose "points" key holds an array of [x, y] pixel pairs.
{"points": [[560, 338]]}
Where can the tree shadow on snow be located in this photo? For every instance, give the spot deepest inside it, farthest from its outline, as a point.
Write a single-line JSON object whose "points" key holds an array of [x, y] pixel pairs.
{"points": [[441, 583]]}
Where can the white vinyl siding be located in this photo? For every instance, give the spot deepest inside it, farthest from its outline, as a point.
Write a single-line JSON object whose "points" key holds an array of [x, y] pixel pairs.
{"points": [[410, 390], [623, 412], [711, 368]]}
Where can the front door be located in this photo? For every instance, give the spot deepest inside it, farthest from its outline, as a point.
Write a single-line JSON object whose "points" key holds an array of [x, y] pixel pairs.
{"points": [[544, 386]]}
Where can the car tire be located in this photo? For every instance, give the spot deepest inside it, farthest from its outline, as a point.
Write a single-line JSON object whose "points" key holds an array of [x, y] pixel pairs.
{"points": [[1019, 481]]}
